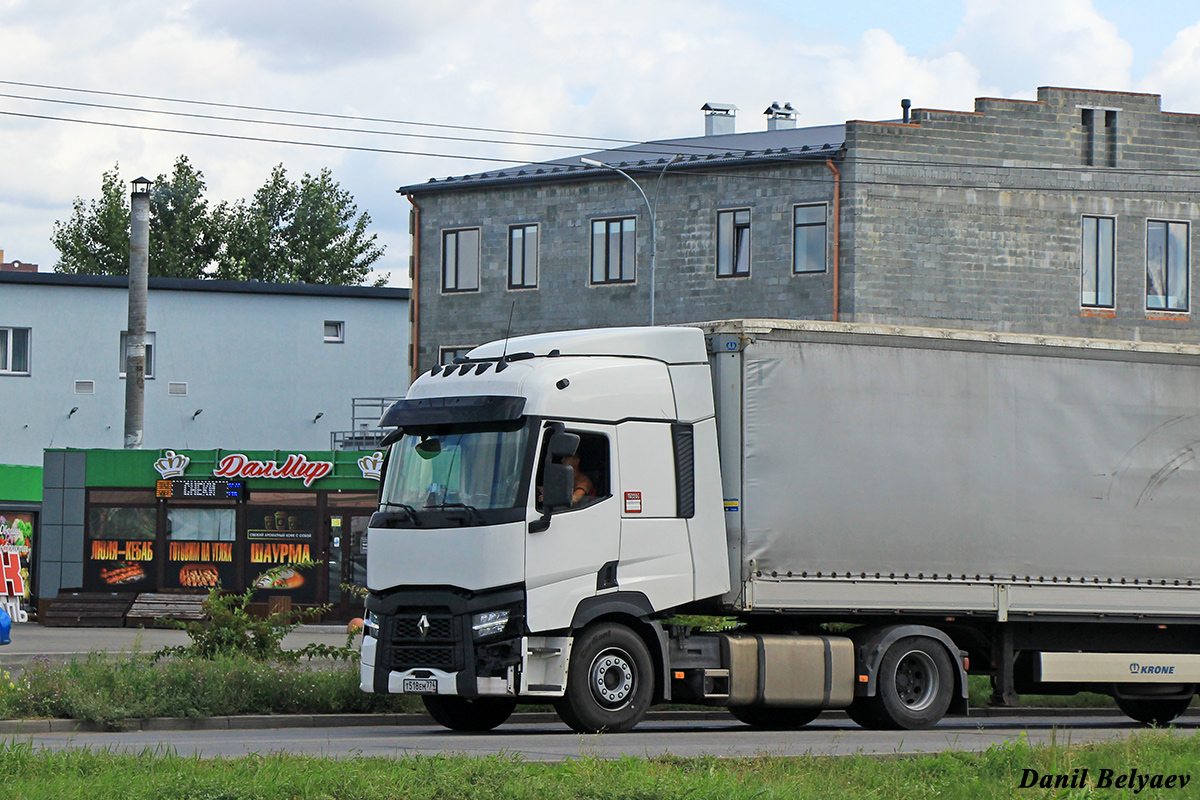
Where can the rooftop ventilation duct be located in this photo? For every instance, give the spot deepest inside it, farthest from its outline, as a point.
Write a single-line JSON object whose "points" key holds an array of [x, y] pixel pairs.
{"points": [[718, 118], [780, 117]]}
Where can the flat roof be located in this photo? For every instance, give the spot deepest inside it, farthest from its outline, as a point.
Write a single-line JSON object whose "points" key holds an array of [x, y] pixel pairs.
{"points": [[189, 285]]}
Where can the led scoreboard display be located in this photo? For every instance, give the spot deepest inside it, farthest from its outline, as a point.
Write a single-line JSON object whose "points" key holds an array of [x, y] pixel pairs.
{"points": [[184, 489]]}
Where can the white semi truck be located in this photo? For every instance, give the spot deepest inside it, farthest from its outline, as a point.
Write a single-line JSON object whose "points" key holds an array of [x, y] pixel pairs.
{"points": [[882, 510]]}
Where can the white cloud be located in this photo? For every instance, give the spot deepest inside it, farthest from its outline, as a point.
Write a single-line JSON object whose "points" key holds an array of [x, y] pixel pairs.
{"points": [[1018, 45], [1173, 75]]}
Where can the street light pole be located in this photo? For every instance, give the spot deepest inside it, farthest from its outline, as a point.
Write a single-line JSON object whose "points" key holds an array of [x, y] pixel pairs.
{"points": [[135, 338], [650, 207]]}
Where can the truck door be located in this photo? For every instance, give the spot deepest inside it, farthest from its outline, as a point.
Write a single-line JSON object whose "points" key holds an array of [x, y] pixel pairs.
{"points": [[568, 561]]}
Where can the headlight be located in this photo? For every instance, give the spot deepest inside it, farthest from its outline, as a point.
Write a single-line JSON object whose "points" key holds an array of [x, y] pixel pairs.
{"points": [[371, 625], [489, 623]]}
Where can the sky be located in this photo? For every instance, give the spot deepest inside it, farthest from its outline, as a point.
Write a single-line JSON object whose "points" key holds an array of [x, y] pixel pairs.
{"points": [[423, 89]]}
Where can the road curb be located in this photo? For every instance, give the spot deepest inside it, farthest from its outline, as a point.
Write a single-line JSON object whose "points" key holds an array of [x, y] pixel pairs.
{"points": [[285, 721]]}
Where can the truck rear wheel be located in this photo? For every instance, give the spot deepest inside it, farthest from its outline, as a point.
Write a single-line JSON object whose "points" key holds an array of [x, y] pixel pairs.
{"points": [[775, 718], [1153, 711], [472, 716], [610, 681], [914, 687]]}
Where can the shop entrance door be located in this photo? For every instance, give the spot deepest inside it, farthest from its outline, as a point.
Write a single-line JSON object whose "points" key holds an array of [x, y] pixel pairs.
{"points": [[347, 563]]}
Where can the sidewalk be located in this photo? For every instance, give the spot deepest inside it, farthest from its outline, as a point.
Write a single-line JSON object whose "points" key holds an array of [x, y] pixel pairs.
{"points": [[60, 644]]}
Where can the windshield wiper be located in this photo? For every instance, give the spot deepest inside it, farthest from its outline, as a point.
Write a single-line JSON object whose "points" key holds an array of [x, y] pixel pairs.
{"points": [[473, 514], [408, 510]]}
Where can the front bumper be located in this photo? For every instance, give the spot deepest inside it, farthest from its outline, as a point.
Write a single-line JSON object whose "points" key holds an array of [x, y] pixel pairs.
{"points": [[425, 639]]}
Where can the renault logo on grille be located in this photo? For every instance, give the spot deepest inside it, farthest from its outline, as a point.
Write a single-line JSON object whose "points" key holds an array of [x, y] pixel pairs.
{"points": [[423, 626]]}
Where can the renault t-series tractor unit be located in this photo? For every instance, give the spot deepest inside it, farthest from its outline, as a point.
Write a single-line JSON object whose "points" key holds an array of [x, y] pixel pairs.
{"points": [[875, 512]]}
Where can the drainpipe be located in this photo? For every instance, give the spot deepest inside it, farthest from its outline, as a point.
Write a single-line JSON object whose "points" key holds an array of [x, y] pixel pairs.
{"points": [[414, 313], [837, 196]]}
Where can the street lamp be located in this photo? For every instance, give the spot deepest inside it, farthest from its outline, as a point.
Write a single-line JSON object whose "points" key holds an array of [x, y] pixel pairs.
{"points": [[591, 162]]}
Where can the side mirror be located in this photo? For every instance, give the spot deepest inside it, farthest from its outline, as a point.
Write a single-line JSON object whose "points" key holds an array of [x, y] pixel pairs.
{"points": [[558, 488], [563, 444]]}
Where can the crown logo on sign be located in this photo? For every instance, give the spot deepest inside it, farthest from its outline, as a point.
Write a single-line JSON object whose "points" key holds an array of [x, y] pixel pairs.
{"points": [[371, 465], [171, 465]]}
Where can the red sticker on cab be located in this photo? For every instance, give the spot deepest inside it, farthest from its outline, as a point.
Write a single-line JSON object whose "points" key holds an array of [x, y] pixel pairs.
{"points": [[633, 502]]}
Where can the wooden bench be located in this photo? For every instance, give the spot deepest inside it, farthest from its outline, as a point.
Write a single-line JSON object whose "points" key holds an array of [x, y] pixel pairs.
{"points": [[87, 609], [152, 607]]}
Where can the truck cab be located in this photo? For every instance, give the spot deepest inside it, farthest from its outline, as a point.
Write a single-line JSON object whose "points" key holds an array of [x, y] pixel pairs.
{"points": [[545, 499]]}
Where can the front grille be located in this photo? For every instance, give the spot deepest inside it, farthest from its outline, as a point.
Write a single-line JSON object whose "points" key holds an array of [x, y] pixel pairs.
{"points": [[440, 628], [440, 647], [410, 657]]}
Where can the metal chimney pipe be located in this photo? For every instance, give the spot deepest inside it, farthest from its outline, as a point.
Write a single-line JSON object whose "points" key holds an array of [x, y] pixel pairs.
{"points": [[906, 104], [135, 341]]}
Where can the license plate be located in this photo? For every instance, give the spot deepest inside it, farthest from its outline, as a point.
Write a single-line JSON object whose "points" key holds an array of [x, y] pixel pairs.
{"points": [[420, 686]]}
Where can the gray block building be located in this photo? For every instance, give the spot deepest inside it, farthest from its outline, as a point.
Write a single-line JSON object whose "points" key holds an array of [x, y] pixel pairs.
{"points": [[1068, 215]]}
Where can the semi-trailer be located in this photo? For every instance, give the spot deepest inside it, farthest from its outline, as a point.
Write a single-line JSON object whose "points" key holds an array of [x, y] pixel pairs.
{"points": [[874, 511]]}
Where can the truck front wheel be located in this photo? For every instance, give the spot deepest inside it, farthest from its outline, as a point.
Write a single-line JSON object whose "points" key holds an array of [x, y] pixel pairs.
{"points": [[914, 687], [610, 681], [472, 716]]}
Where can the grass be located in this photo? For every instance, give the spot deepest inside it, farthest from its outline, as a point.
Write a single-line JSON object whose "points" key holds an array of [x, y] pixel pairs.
{"points": [[996, 773], [108, 689]]}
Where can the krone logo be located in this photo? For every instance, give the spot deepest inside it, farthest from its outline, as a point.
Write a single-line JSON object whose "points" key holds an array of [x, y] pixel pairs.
{"points": [[1135, 668]]}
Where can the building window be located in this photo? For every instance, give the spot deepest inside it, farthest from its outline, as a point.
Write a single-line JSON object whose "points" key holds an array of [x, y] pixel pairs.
{"points": [[613, 245], [446, 355], [733, 243], [523, 257], [149, 353], [1166, 266], [335, 331], [1096, 271], [460, 260], [808, 238], [14, 351]]}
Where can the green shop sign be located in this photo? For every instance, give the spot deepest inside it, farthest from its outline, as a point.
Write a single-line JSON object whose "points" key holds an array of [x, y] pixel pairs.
{"points": [[260, 469]]}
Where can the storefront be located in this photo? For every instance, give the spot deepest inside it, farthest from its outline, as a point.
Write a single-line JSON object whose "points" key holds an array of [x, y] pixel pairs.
{"points": [[288, 524], [20, 506]]}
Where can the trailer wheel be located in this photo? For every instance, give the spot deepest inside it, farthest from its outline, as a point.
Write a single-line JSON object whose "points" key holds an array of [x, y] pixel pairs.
{"points": [[914, 686], [472, 716], [1153, 711], [775, 718], [610, 681]]}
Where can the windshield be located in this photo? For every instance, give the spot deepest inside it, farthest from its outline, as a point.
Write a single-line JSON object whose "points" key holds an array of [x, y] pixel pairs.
{"points": [[481, 467]]}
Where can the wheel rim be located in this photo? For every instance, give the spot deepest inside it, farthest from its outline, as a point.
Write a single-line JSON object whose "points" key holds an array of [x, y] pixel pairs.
{"points": [[916, 680], [612, 678]]}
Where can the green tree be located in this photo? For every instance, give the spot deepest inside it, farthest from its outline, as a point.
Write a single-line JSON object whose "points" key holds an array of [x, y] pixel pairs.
{"points": [[95, 240], [183, 236], [310, 231]]}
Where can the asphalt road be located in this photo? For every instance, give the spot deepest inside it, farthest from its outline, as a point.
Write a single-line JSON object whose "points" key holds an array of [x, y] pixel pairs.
{"points": [[553, 741]]}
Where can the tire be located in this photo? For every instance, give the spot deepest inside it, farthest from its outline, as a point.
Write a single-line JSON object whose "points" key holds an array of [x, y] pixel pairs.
{"points": [[1153, 711], [865, 712], [610, 681], [470, 716], [775, 718], [914, 687]]}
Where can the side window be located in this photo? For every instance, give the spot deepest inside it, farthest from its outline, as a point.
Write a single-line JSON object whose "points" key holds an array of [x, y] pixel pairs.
{"points": [[1096, 272], [1166, 266], [149, 340], [733, 243], [592, 464], [808, 238], [14, 351], [460, 260]]}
